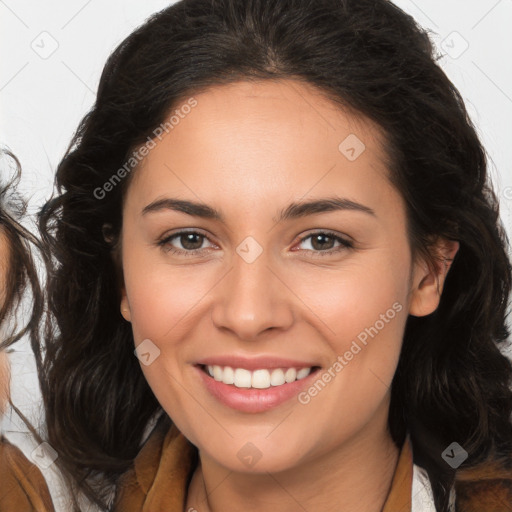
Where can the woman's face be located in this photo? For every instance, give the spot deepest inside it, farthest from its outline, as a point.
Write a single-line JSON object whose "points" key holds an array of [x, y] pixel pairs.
{"points": [[269, 286]]}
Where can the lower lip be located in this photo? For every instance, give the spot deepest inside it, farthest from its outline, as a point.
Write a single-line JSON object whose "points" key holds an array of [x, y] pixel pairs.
{"points": [[250, 399]]}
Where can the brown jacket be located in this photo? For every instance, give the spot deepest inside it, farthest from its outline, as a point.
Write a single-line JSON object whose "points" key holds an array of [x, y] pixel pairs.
{"points": [[159, 477], [22, 486]]}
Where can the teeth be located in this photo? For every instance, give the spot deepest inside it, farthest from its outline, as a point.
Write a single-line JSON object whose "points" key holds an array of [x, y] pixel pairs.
{"points": [[242, 378], [290, 375], [277, 377], [217, 373], [228, 375], [258, 379], [303, 372]]}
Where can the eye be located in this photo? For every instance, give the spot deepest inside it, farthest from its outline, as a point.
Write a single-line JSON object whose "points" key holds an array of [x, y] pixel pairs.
{"points": [[190, 241], [321, 243]]}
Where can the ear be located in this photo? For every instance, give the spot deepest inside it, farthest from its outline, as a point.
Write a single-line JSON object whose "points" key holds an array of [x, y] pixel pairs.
{"points": [[427, 282], [111, 240], [125, 306]]}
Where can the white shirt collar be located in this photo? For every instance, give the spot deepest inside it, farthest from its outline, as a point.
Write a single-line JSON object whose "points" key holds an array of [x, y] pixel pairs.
{"points": [[422, 495]]}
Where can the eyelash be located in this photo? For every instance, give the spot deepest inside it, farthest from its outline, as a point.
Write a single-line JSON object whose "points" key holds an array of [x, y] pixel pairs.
{"points": [[345, 244]]}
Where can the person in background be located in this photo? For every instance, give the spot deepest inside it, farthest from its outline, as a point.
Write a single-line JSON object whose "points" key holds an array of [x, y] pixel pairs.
{"points": [[23, 487]]}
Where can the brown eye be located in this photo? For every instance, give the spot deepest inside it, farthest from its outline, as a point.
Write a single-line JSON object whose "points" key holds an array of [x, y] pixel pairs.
{"points": [[189, 243], [323, 243]]}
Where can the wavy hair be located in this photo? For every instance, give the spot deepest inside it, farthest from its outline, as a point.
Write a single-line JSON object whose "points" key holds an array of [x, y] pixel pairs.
{"points": [[20, 266], [21, 275], [452, 382]]}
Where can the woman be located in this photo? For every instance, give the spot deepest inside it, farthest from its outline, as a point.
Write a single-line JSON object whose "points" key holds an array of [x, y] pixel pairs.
{"points": [[279, 266], [22, 486]]}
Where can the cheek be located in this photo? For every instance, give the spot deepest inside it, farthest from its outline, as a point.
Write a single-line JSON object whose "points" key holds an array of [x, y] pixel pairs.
{"points": [[366, 323], [162, 297], [362, 312], [356, 301], [163, 304]]}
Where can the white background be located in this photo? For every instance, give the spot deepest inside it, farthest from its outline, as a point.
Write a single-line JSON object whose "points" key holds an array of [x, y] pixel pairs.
{"points": [[53, 53]]}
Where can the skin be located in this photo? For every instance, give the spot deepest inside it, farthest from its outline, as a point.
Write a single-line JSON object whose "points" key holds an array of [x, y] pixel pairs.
{"points": [[4, 366], [248, 150]]}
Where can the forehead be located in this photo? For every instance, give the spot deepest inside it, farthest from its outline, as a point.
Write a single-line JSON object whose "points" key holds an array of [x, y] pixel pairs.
{"points": [[263, 139], [281, 114]]}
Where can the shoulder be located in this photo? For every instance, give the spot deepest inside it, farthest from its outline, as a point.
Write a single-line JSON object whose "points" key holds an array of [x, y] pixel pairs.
{"points": [[159, 476], [487, 486], [23, 485]]}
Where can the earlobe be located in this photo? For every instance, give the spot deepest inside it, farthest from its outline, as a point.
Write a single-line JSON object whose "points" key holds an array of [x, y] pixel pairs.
{"points": [[125, 307], [428, 282]]}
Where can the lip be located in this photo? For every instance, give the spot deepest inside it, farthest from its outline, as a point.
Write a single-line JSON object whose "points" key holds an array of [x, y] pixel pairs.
{"points": [[252, 400], [255, 363]]}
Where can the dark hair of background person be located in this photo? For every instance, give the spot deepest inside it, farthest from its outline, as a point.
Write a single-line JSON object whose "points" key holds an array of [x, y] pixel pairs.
{"points": [[22, 275], [20, 269], [452, 381]]}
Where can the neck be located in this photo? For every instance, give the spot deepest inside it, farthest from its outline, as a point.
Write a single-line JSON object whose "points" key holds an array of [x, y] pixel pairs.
{"points": [[355, 476]]}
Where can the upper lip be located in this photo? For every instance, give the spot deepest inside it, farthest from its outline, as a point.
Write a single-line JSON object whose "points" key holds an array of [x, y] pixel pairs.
{"points": [[254, 363]]}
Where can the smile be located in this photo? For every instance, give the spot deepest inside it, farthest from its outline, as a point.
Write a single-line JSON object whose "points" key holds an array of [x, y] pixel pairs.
{"points": [[257, 390], [258, 379]]}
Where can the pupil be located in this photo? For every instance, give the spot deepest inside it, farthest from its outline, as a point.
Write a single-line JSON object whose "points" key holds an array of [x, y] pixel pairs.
{"points": [[187, 241], [320, 237]]}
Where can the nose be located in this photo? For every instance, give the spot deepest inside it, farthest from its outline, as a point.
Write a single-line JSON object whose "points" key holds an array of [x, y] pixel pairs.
{"points": [[252, 299]]}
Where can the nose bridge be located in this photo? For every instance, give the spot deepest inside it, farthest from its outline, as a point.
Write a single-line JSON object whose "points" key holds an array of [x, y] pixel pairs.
{"points": [[252, 299]]}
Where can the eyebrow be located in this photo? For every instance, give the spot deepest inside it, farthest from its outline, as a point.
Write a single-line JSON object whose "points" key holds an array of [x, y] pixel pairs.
{"points": [[292, 211]]}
